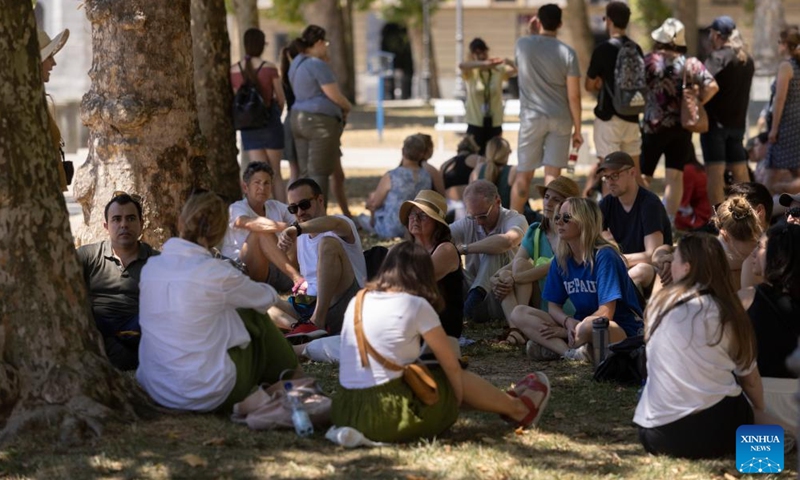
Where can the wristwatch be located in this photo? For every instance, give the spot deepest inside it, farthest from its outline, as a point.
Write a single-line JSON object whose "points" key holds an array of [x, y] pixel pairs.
{"points": [[296, 226], [464, 249]]}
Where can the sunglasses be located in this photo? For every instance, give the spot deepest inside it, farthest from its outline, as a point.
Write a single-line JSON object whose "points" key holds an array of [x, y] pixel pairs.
{"points": [[418, 216], [562, 217], [301, 205], [481, 217], [614, 176], [793, 212], [121, 193]]}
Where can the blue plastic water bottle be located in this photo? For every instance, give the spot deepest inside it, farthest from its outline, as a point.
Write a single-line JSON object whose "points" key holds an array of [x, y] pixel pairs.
{"points": [[300, 419]]}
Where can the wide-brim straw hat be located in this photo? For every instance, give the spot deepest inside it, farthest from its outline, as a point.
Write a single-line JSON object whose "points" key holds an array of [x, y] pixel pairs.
{"points": [[49, 47], [564, 186], [430, 202]]}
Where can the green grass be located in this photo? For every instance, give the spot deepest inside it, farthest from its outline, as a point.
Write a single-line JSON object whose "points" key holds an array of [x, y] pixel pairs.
{"points": [[586, 432]]}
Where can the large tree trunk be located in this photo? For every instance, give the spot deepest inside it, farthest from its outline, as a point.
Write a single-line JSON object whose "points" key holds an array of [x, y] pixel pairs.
{"points": [[577, 20], [246, 12], [53, 372], [328, 15], [767, 24], [141, 112], [415, 37], [686, 11], [211, 50]]}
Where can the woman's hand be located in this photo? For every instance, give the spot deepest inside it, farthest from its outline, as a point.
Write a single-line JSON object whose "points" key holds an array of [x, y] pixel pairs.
{"points": [[502, 284], [571, 325], [773, 135], [552, 331]]}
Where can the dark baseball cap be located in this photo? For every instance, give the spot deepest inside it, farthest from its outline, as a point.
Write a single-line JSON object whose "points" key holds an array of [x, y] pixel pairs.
{"points": [[615, 161], [786, 199], [724, 25]]}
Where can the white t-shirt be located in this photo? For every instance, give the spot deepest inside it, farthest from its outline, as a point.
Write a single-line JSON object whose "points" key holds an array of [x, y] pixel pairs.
{"points": [[393, 324], [187, 310], [308, 247], [235, 237], [684, 373]]}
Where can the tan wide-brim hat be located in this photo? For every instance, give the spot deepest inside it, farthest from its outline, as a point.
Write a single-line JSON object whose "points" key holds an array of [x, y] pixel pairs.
{"points": [[671, 31], [564, 186], [48, 47], [430, 202]]}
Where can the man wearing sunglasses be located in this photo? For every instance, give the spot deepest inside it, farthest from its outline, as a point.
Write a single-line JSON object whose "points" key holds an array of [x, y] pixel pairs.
{"points": [[792, 204], [111, 270], [328, 251], [634, 217], [488, 237]]}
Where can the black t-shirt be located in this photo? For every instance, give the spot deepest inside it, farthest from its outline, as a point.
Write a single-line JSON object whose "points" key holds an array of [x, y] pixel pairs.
{"points": [[774, 316], [728, 107], [647, 216], [603, 63]]}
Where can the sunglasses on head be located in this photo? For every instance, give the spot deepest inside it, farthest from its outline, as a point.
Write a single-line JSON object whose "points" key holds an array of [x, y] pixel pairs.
{"points": [[121, 193], [562, 217], [301, 205], [793, 212]]}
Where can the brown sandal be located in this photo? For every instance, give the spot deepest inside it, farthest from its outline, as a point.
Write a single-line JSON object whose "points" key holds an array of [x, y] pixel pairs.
{"points": [[513, 337]]}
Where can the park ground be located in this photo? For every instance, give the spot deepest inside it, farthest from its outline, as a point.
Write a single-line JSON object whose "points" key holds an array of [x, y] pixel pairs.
{"points": [[586, 431]]}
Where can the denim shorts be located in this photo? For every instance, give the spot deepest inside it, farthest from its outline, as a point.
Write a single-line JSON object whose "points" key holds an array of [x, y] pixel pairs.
{"points": [[723, 145]]}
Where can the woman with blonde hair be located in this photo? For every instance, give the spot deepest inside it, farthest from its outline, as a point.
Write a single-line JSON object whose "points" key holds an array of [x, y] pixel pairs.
{"points": [[392, 315], [739, 231], [590, 272], [48, 48], [701, 354], [198, 352]]}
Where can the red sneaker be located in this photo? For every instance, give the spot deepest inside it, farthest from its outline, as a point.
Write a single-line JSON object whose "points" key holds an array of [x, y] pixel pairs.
{"points": [[303, 332]]}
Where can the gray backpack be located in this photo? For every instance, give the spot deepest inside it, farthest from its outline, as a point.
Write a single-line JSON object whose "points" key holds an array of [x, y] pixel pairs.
{"points": [[628, 92]]}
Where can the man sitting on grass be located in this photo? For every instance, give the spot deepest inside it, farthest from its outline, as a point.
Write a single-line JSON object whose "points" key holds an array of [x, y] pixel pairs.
{"points": [[328, 251]]}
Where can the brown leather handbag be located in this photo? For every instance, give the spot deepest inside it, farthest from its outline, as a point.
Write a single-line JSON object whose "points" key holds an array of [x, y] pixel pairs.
{"points": [[693, 114], [416, 375]]}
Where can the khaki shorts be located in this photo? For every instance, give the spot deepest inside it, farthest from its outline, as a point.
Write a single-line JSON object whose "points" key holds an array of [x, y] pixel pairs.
{"points": [[543, 141], [617, 135]]}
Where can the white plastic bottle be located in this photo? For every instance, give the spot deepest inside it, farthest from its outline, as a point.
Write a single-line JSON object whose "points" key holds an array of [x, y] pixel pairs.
{"points": [[300, 419]]}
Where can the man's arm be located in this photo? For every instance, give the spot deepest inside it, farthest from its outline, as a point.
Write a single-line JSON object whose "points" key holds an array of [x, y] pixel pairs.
{"points": [[574, 96], [593, 84], [495, 244], [337, 225], [259, 224], [651, 243]]}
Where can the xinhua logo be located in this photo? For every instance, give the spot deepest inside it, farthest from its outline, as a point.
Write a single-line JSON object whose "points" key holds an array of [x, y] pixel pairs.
{"points": [[759, 449]]}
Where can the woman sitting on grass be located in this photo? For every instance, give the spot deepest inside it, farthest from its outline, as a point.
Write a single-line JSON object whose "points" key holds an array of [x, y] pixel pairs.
{"points": [[592, 274], [739, 232], [396, 315], [198, 352], [701, 353]]}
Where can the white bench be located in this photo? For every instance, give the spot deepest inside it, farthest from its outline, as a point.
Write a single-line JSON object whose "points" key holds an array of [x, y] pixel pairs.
{"points": [[450, 116]]}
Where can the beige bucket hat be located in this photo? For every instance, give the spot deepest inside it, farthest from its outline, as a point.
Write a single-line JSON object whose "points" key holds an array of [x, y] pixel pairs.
{"points": [[433, 204]]}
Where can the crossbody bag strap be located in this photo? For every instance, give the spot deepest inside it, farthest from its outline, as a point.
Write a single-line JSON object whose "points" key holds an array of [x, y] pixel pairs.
{"points": [[364, 347], [537, 235], [296, 69]]}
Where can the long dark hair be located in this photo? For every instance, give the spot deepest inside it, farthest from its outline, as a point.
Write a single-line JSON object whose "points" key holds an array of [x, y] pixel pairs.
{"points": [[287, 55], [709, 271], [408, 268], [782, 269], [311, 35], [254, 42]]}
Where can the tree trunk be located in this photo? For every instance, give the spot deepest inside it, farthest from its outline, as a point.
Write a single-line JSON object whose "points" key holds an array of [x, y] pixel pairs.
{"points": [[53, 372], [433, 85], [686, 11], [144, 136], [417, 47], [767, 24], [328, 15], [246, 12], [577, 20], [212, 58]]}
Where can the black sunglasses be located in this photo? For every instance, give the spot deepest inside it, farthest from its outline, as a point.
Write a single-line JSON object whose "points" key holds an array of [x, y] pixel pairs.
{"points": [[301, 205], [793, 212], [566, 217]]}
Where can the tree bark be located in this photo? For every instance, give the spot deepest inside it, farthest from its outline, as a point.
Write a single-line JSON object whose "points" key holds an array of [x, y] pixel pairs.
{"points": [[328, 15], [767, 24], [417, 47], [246, 12], [212, 58], [577, 19], [686, 11], [53, 371], [144, 136]]}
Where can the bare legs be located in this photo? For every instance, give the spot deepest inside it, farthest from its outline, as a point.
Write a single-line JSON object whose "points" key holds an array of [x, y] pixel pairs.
{"points": [[259, 250], [673, 191], [334, 276], [520, 190], [540, 327], [337, 183]]}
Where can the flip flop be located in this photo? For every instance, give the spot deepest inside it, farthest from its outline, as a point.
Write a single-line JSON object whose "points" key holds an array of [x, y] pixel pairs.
{"points": [[535, 411], [528, 381], [532, 382]]}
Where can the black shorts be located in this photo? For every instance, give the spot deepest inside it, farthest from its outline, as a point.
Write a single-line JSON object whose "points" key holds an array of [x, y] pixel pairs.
{"points": [[484, 133], [675, 144]]}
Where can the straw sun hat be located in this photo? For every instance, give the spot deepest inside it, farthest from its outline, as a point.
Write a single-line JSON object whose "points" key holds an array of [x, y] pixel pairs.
{"points": [[49, 47], [564, 186], [430, 202]]}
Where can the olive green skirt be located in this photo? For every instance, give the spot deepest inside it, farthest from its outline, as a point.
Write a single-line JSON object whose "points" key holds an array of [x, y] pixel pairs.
{"points": [[392, 413]]}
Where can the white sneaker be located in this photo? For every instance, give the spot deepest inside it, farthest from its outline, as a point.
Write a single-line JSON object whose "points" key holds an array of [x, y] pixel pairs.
{"points": [[540, 353], [580, 354]]}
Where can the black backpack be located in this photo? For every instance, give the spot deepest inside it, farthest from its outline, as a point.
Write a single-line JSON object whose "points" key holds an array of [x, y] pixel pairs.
{"points": [[249, 110], [628, 93], [626, 364]]}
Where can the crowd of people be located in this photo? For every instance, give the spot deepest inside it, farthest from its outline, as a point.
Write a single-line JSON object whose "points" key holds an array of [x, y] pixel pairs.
{"points": [[247, 290]]}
